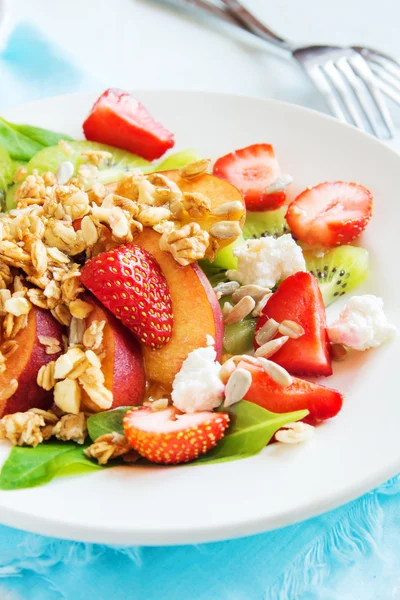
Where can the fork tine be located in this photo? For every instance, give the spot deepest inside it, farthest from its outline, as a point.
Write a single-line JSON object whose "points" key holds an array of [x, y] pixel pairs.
{"points": [[323, 86], [388, 90], [337, 79], [387, 77], [361, 68], [390, 64]]}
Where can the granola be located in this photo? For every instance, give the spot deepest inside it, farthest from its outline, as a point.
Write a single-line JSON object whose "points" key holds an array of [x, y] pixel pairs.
{"points": [[107, 447]]}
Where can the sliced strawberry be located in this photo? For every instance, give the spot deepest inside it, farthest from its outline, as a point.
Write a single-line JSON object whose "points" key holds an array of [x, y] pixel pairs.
{"points": [[129, 282], [169, 437], [330, 214], [252, 170], [299, 299], [120, 120], [321, 402]]}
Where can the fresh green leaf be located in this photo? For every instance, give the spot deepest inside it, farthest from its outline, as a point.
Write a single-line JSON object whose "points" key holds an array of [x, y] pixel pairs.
{"points": [[106, 422], [19, 146], [45, 137], [178, 160], [22, 142], [251, 428], [30, 467]]}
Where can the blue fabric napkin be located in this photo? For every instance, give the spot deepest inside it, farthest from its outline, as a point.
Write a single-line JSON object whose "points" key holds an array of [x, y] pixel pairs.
{"points": [[348, 554]]}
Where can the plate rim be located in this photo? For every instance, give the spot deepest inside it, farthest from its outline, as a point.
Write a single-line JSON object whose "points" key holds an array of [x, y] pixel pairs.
{"points": [[46, 526]]}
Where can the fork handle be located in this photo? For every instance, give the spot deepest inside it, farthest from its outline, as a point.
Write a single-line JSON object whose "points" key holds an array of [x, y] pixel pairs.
{"points": [[253, 24]]}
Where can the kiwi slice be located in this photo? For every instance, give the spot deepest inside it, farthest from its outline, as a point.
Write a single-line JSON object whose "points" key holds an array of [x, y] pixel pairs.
{"points": [[238, 337], [338, 270], [269, 222], [178, 160], [49, 159], [120, 161]]}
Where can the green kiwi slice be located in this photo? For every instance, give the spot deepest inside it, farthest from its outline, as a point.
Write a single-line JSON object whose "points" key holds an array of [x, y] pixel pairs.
{"points": [[238, 337], [338, 270], [111, 169], [269, 222]]}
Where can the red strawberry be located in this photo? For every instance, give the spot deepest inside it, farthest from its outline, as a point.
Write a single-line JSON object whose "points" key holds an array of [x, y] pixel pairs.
{"points": [[252, 170], [169, 437], [118, 119], [330, 214], [320, 401], [299, 299], [129, 282]]}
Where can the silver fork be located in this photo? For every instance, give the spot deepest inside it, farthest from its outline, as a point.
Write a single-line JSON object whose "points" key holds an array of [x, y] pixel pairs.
{"points": [[351, 79], [341, 74]]}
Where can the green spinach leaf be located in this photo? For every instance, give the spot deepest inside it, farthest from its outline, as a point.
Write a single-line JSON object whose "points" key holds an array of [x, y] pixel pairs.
{"points": [[22, 142], [30, 467], [252, 427], [45, 137], [106, 422]]}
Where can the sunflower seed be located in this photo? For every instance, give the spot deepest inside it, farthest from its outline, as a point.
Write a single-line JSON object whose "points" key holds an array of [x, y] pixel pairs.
{"points": [[269, 348], [260, 305], [226, 288], [338, 352], [246, 357], [291, 329], [255, 291], [295, 433], [195, 168], [276, 372], [240, 310], [226, 370], [238, 385], [64, 172], [267, 332], [228, 207], [224, 230], [279, 184]]}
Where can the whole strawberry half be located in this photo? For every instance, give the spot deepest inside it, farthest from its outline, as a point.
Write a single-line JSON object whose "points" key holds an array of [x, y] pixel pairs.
{"points": [[169, 437], [298, 298], [253, 170], [129, 282], [330, 213]]}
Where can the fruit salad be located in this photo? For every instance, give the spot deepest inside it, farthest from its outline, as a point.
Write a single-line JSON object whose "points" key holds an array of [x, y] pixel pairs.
{"points": [[167, 311]]}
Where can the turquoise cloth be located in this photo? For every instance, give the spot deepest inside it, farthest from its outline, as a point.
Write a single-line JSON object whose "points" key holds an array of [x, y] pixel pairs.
{"points": [[351, 553]]}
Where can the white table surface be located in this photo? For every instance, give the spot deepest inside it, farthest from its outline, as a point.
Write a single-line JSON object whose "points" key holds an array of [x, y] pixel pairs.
{"points": [[140, 44]]}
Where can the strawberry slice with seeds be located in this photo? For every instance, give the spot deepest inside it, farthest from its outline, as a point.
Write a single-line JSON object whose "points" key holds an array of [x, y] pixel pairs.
{"points": [[169, 437], [330, 213], [298, 298], [120, 120], [253, 170], [321, 402], [129, 282]]}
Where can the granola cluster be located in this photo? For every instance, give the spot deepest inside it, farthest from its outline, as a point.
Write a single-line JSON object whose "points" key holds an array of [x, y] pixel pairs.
{"points": [[35, 426]]}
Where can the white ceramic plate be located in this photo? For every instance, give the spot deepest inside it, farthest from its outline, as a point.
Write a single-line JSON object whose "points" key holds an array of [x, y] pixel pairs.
{"points": [[348, 456]]}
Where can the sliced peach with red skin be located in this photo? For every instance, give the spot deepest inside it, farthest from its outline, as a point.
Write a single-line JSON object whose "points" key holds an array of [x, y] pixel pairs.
{"points": [[196, 313], [122, 365], [24, 364]]}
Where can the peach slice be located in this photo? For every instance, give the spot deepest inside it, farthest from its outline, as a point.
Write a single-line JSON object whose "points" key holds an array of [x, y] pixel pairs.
{"points": [[196, 313], [123, 363], [24, 364], [219, 192]]}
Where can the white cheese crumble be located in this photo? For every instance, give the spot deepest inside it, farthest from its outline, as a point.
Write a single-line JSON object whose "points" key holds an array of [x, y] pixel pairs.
{"points": [[362, 324], [197, 386], [267, 260]]}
